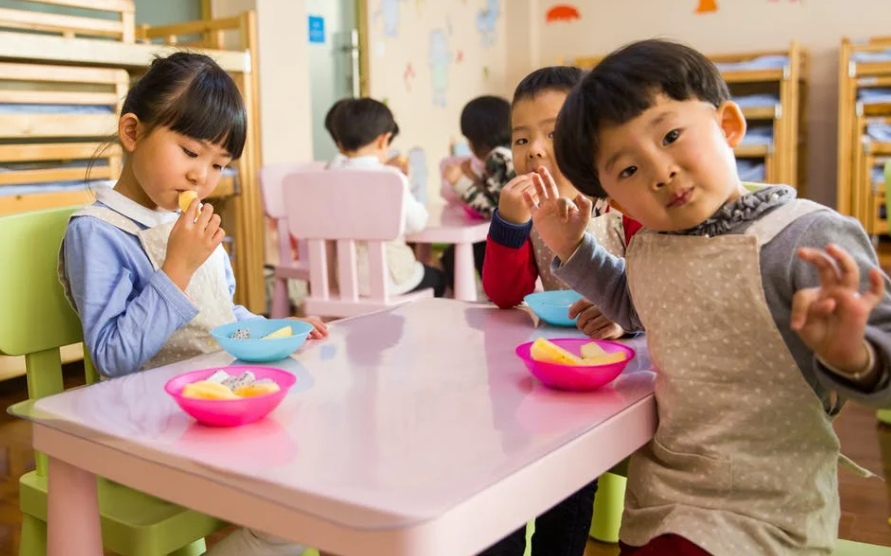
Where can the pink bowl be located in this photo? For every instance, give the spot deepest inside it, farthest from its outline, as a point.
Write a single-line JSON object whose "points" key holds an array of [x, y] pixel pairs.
{"points": [[577, 379], [230, 413]]}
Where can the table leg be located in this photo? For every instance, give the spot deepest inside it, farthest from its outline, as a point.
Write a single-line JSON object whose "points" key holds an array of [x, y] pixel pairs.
{"points": [[465, 273], [72, 514]]}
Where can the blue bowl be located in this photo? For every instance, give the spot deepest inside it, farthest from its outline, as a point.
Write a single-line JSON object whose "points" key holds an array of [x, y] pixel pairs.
{"points": [[256, 350], [553, 306]]}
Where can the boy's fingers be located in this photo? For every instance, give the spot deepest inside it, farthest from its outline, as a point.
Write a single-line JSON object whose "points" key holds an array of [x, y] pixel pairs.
{"points": [[847, 266], [801, 301], [585, 204], [826, 267], [876, 288]]}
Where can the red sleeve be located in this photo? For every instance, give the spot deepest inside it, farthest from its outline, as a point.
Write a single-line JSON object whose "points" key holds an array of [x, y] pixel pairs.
{"points": [[631, 227], [508, 274]]}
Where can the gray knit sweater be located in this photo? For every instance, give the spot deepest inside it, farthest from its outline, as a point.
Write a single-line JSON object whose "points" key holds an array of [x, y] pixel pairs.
{"points": [[782, 274]]}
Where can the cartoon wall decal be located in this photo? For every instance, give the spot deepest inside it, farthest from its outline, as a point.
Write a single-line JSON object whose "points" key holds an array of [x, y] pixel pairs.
{"points": [[408, 76], [417, 173], [486, 72], [562, 12], [707, 6], [439, 59], [459, 56], [486, 20], [389, 14]]}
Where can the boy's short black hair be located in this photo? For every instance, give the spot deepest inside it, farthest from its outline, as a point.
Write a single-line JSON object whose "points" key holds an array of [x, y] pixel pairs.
{"points": [[359, 122], [553, 78], [485, 121], [329, 117], [621, 87]]}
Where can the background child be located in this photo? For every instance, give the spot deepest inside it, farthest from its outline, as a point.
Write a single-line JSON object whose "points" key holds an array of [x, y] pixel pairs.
{"points": [[329, 127], [130, 259], [365, 128], [485, 122], [511, 269], [517, 256], [763, 311]]}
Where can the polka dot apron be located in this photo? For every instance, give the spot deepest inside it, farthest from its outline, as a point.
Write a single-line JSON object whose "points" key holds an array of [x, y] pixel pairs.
{"points": [[744, 460], [207, 289]]}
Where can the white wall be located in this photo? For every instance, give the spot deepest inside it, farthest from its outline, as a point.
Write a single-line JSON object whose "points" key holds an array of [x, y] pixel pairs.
{"points": [[285, 132], [737, 26], [451, 61]]}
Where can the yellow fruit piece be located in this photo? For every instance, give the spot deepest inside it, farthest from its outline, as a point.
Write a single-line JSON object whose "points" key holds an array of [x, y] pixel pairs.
{"points": [[593, 354], [206, 390], [283, 332], [251, 390], [547, 352], [185, 199]]}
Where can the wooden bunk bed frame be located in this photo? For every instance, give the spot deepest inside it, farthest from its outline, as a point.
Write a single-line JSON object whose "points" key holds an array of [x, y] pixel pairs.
{"points": [[68, 47], [40, 54], [48, 141], [785, 159], [857, 194]]}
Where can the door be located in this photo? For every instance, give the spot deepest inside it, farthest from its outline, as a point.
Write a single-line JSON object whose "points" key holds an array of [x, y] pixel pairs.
{"points": [[334, 63]]}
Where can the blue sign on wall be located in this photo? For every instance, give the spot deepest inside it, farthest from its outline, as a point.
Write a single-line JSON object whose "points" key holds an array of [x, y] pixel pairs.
{"points": [[316, 29]]}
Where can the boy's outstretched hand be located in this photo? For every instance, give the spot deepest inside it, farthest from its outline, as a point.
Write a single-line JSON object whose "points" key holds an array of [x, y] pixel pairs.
{"points": [[560, 222], [831, 319]]}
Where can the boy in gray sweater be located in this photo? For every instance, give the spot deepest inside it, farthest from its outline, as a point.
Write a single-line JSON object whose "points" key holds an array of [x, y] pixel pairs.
{"points": [[763, 312]]}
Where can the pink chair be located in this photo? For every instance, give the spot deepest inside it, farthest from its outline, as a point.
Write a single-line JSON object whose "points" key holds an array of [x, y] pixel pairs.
{"points": [[288, 267], [346, 207]]}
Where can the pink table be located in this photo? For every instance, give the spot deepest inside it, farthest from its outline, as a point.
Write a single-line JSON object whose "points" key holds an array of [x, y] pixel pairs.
{"points": [[413, 430], [451, 224]]}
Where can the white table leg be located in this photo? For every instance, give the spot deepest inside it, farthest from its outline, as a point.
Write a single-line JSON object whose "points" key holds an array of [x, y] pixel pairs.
{"points": [[72, 515], [465, 273]]}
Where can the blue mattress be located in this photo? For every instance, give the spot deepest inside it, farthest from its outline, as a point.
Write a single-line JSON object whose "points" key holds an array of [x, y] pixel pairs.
{"points": [[758, 135], [56, 109], [751, 170], [756, 101], [773, 61], [879, 131], [873, 95], [865, 57], [70, 185]]}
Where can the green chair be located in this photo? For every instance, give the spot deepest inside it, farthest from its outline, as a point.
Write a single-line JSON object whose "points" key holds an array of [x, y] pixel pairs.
{"points": [[851, 548], [35, 321], [884, 415]]}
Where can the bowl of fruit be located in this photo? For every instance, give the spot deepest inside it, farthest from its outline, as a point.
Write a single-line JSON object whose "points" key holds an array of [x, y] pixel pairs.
{"points": [[576, 364], [230, 396], [262, 340]]}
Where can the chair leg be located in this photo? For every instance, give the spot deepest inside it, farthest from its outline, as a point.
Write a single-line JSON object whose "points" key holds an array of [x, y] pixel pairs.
{"points": [[608, 505], [281, 303], [197, 548], [884, 416], [33, 540]]}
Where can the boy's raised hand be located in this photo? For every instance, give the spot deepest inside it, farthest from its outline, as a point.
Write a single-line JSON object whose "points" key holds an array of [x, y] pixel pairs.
{"points": [[560, 222], [511, 206], [194, 237], [831, 319]]}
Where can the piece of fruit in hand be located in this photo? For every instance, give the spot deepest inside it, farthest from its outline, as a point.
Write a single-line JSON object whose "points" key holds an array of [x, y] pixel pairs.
{"points": [[185, 199]]}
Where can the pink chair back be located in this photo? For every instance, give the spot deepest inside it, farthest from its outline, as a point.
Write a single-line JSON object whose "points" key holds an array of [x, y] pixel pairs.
{"points": [[289, 267], [271, 178], [346, 207]]}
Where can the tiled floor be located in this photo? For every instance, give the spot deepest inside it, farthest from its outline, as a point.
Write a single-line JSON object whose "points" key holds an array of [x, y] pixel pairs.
{"points": [[865, 502]]}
